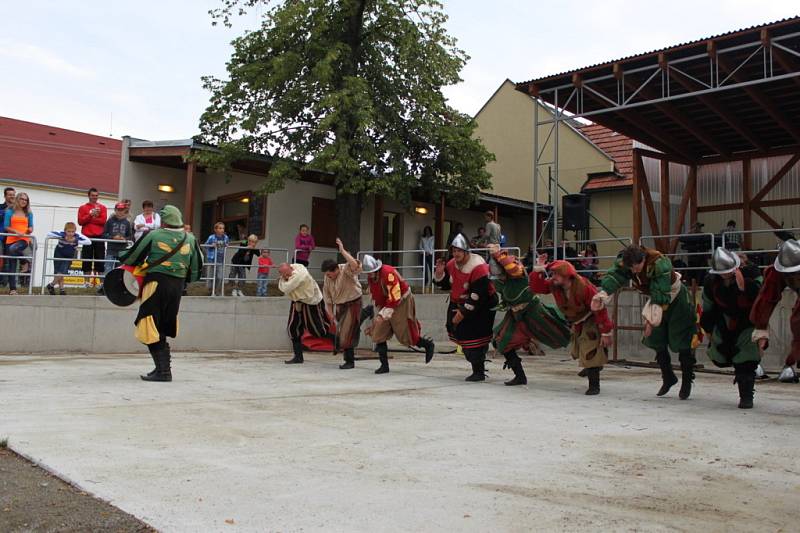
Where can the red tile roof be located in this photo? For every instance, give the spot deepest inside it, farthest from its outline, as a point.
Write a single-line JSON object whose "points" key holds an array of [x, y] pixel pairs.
{"points": [[46, 155], [620, 148]]}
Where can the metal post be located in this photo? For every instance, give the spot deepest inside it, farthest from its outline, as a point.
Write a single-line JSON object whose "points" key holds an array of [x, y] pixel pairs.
{"points": [[555, 171], [535, 173]]}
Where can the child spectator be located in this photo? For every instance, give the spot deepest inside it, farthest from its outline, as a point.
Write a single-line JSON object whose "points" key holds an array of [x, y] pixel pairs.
{"points": [[117, 228], [215, 254], [242, 260], [145, 221], [304, 244], [264, 264], [66, 250]]}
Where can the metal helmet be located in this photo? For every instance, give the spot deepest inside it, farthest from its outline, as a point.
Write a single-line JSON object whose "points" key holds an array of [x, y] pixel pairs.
{"points": [[788, 259], [724, 261], [369, 264], [460, 242]]}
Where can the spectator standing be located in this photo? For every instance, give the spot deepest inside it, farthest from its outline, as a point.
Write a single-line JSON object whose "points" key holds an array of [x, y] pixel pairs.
{"points": [[18, 221], [66, 250], [215, 253], [8, 202], [117, 228], [493, 230], [478, 240], [92, 217], [427, 245], [146, 221], [264, 265], [242, 260], [733, 240], [304, 244]]}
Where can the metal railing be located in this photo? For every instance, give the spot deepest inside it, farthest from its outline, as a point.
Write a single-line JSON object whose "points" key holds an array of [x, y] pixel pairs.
{"points": [[444, 254], [316, 271], [687, 254], [50, 259], [400, 266], [621, 240], [740, 250], [15, 260], [227, 266]]}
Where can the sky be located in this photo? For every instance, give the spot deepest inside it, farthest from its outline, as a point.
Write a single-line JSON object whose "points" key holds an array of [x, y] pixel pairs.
{"points": [[134, 68]]}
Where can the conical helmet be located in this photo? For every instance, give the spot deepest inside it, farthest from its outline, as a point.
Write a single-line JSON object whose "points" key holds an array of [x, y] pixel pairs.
{"points": [[788, 259], [369, 264], [724, 261], [460, 242]]}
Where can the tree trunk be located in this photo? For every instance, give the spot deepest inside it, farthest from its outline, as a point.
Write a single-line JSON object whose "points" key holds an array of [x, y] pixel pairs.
{"points": [[348, 220]]}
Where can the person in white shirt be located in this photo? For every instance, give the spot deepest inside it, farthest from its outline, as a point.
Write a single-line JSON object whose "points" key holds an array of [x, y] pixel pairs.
{"points": [[146, 221], [426, 244]]}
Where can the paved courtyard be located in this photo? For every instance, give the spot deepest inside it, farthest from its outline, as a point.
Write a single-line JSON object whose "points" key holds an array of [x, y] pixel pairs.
{"points": [[242, 442]]}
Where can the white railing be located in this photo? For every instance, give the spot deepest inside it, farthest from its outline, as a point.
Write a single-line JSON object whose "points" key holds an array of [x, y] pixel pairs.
{"points": [[417, 270], [50, 259], [444, 253], [14, 260], [740, 250], [228, 265], [707, 253], [564, 245], [316, 271]]}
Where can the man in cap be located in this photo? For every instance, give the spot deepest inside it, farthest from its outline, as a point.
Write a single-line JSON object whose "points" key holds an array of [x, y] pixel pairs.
{"points": [[669, 315], [527, 318], [168, 257], [591, 329], [307, 311], [470, 313], [729, 291], [341, 291], [395, 312], [785, 272]]}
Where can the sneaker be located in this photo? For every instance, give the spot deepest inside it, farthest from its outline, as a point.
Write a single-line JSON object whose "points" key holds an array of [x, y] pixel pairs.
{"points": [[50, 290]]}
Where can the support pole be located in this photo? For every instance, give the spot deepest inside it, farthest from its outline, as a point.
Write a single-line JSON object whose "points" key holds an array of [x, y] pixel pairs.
{"points": [[637, 198], [557, 126], [664, 197], [536, 174], [188, 202], [747, 191], [438, 234], [377, 225]]}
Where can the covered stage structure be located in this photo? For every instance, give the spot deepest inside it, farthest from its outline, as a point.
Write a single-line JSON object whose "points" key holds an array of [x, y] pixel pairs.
{"points": [[716, 128]]}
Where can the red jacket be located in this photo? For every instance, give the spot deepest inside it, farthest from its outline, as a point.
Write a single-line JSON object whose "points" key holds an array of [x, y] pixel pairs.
{"points": [[576, 305], [92, 226], [387, 288]]}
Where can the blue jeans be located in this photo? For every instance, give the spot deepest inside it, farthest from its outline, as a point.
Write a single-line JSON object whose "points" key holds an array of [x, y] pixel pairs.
{"points": [[261, 284], [16, 249], [112, 263]]}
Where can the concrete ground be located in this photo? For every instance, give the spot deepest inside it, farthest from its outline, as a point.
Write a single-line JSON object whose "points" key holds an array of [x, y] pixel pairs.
{"points": [[242, 442]]}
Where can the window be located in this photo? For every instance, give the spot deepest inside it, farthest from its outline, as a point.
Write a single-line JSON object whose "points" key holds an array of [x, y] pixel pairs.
{"points": [[243, 213]]}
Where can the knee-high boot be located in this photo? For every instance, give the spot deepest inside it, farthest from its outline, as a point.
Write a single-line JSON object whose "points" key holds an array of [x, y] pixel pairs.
{"points": [[515, 364], [349, 359], [476, 357], [746, 380], [161, 355], [687, 359], [297, 346], [594, 380], [383, 356], [668, 378]]}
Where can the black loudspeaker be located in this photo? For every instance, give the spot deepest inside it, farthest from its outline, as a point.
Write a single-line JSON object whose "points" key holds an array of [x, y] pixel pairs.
{"points": [[575, 212]]}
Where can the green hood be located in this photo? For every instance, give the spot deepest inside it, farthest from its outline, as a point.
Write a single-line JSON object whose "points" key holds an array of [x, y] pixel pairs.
{"points": [[171, 217]]}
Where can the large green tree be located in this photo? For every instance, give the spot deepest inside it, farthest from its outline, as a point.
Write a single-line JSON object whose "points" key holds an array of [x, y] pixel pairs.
{"points": [[351, 88]]}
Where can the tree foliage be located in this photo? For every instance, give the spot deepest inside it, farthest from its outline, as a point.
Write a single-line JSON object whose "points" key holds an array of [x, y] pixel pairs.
{"points": [[351, 88]]}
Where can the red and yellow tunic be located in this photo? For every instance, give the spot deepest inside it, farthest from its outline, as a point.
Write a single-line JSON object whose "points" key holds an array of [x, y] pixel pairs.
{"points": [[387, 287]]}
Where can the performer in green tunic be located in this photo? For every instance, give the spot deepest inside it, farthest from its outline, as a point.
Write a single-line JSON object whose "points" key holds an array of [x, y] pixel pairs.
{"points": [[526, 316], [167, 257], [669, 315], [729, 292]]}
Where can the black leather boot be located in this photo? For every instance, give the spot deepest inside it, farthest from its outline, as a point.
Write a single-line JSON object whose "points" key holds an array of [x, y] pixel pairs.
{"points": [[297, 346], [515, 364], [668, 378], [594, 381], [426, 343], [686, 357], [349, 360], [163, 369], [476, 359], [383, 356], [746, 380]]}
